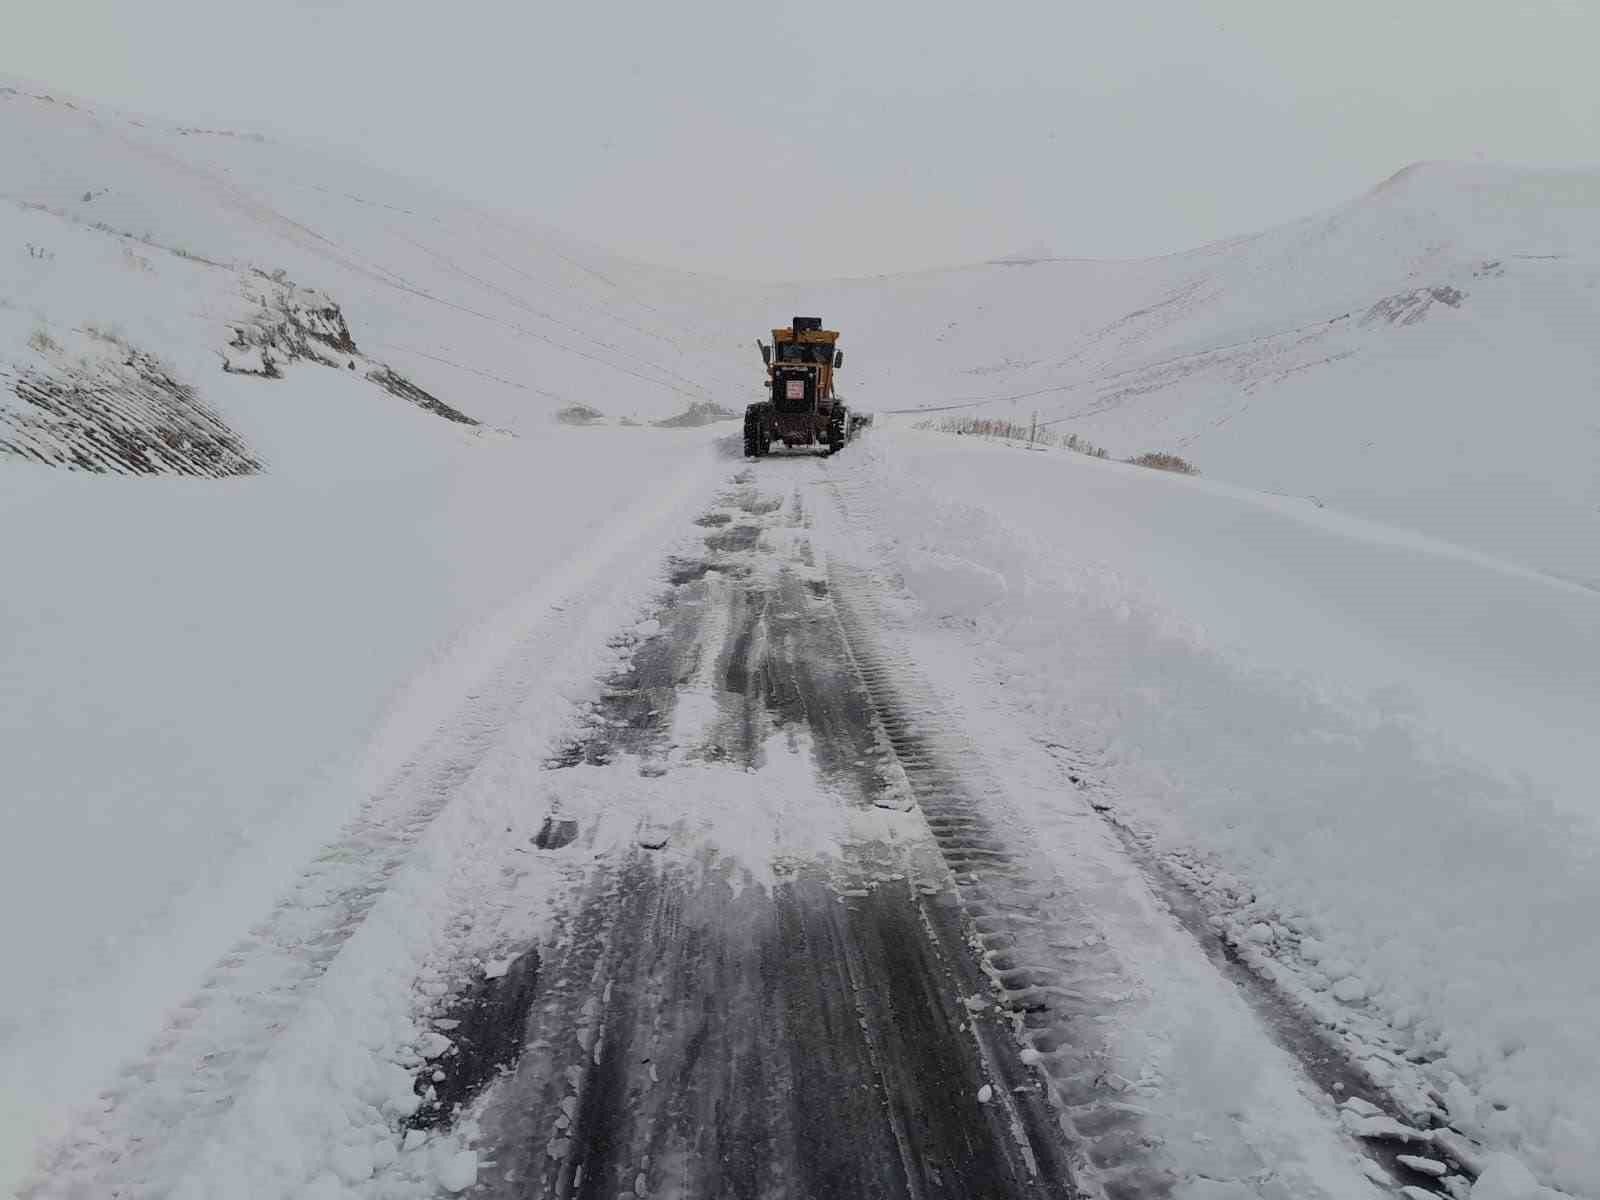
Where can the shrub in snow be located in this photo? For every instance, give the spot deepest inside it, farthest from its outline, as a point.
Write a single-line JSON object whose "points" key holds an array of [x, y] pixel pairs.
{"points": [[579, 414], [1013, 431], [1161, 461]]}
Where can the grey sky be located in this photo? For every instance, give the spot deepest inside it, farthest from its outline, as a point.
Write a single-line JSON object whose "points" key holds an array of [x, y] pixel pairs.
{"points": [[769, 140]]}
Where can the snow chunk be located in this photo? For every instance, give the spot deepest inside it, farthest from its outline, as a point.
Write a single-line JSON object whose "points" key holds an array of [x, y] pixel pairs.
{"points": [[1381, 1128], [1426, 1166], [895, 796], [985, 1094], [432, 1044], [654, 837], [1376, 1173], [1350, 990], [1261, 934], [404, 1103], [458, 1172], [1506, 1178]]}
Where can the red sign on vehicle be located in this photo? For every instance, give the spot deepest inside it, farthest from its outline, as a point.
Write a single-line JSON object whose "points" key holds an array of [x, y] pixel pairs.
{"points": [[797, 389]]}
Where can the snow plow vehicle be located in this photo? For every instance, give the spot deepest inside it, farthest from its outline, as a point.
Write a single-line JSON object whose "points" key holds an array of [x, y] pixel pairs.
{"points": [[801, 408]]}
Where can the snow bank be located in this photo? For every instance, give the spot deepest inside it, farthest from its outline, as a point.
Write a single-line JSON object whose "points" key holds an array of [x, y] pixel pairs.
{"points": [[1379, 750]]}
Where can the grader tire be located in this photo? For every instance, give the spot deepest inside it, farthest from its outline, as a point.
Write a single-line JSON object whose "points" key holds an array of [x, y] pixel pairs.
{"points": [[838, 423], [756, 440]]}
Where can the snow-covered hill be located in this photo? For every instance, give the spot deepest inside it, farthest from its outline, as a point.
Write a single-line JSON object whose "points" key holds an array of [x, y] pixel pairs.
{"points": [[109, 219], [1422, 356]]}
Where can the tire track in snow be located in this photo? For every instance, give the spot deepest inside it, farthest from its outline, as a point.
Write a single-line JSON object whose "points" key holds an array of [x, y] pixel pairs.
{"points": [[161, 1108], [1330, 1063], [978, 850], [1056, 979], [702, 1035]]}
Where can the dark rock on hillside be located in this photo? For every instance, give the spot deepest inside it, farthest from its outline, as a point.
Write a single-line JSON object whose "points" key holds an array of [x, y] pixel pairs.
{"points": [[125, 414]]}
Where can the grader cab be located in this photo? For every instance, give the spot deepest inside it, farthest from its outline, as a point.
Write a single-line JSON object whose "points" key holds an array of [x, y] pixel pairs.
{"points": [[801, 408]]}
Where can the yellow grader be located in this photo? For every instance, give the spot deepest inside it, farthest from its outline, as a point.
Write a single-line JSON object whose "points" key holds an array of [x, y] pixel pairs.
{"points": [[801, 408]]}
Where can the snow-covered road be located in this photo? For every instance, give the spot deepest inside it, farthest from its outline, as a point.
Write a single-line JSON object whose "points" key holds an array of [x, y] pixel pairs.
{"points": [[751, 863], [766, 911], [770, 992]]}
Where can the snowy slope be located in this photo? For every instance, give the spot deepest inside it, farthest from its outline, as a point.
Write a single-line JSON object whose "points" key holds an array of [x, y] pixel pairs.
{"points": [[452, 297], [1423, 356]]}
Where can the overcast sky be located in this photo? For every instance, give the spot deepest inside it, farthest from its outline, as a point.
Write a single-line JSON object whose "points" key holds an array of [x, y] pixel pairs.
{"points": [[768, 139]]}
